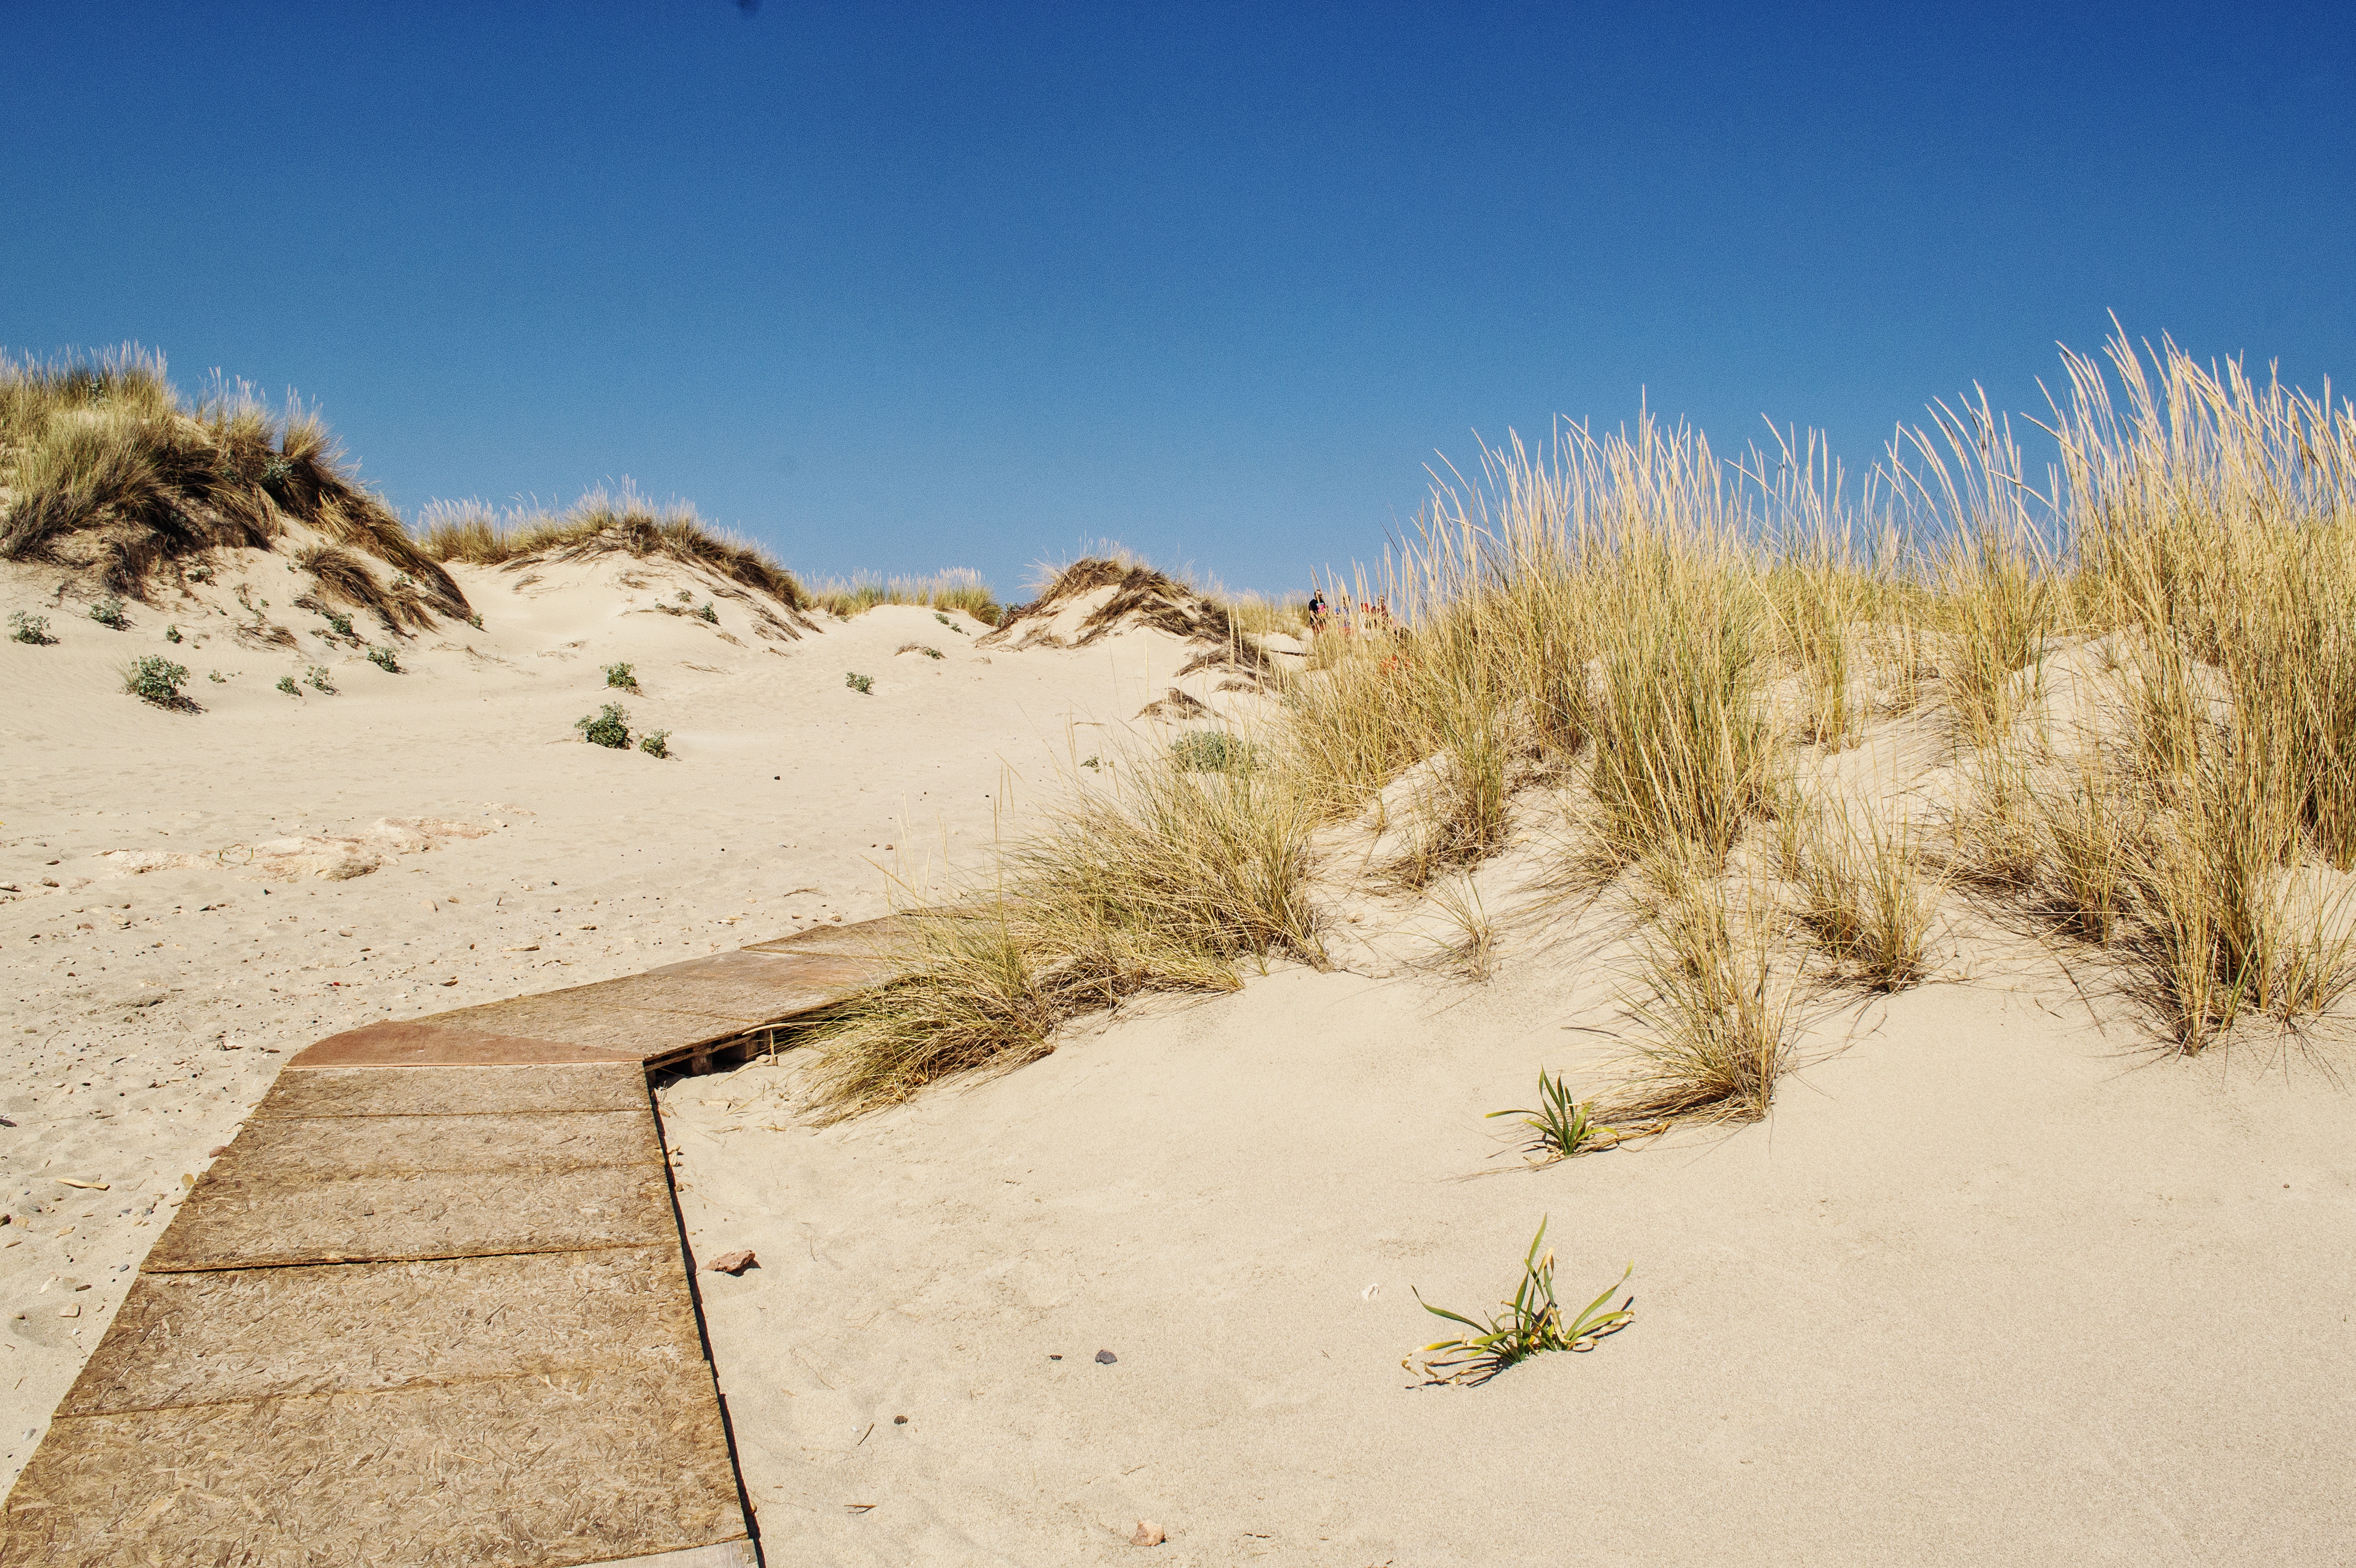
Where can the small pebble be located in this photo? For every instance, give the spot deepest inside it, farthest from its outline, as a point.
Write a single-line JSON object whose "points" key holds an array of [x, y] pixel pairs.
{"points": [[1106, 1358]]}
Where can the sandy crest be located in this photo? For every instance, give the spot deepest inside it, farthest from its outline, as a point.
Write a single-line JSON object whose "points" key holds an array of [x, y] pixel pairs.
{"points": [[147, 1010]]}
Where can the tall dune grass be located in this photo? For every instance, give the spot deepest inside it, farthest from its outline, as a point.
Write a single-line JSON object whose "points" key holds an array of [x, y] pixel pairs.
{"points": [[104, 468], [602, 522], [958, 589], [1629, 621]]}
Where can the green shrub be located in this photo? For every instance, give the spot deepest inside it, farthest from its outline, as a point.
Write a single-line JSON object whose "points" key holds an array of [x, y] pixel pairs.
{"points": [[216, 678], [108, 611], [157, 678], [171, 634], [708, 613], [318, 680], [342, 623], [863, 685], [34, 629], [385, 659], [622, 676], [287, 685], [1211, 751], [609, 727], [656, 743], [476, 620]]}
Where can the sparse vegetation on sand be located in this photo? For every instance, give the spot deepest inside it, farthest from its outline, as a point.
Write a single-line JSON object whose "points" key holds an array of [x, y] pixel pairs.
{"points": [[609, 726], [1168, 880], [106, 472], [1531, 1322], [602, 523], [955, 589], [386, 660], [1559, 1125], [24, 626], [108, 612], [656, 743], [622, 676], [156, 680], [863, 684], [2118, 708]]}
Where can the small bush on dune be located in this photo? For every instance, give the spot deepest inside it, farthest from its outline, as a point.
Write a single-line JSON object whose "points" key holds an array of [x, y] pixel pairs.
{"points": [[386, 660], [609, 726], [287, 685], [32, 628], [156, 680], [656, 743], [622, 676], [318, 680], [863, 684], [108, 612]]}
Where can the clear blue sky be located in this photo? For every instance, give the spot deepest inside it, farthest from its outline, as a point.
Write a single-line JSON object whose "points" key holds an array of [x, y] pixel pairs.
{"points": [[903, 286]]}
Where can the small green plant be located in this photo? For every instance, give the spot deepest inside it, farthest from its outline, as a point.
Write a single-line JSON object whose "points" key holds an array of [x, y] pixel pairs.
{"points": [[318, 680], [1560, 1126], [609, 727], [863, 684], [216, 678], [948, 623], [1093, 764], [108, 611], [171, 634], [656, 743], [708, 613], [1531, 1322], [157, 679], [287, 685], [385, 659], [622, 676], [476, 620], [1211, 751], [920, 647], [34, 629], [200, 573], [685, 597], [402, 580], [341, 623]]}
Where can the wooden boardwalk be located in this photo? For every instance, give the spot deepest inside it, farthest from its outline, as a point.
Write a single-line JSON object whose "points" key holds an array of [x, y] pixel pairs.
{"points": [[433, 1303]]}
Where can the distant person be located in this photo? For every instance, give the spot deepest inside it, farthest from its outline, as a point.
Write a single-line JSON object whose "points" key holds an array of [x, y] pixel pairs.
{"points": [[1316, 612]]}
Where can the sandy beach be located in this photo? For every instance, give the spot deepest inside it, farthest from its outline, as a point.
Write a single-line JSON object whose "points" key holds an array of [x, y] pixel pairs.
{"points": [[1994, 1281]]}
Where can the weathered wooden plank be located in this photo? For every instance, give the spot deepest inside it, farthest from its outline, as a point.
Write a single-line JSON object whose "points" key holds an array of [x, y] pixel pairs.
{"points": [[229, 1334], [430, 1043], [302, 1149], [605, 1023], [525, 1472], [454, 1091], [233, 1223]]}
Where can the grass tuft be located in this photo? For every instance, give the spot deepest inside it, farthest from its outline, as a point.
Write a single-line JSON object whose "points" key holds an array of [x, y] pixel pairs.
{"points": [[1531, 1323], [1560, 1126]]}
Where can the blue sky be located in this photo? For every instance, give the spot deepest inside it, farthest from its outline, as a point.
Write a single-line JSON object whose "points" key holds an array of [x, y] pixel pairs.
{"points": [[896, 287]]}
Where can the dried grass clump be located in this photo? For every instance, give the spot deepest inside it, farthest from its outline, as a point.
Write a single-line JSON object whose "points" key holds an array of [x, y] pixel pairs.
{"points": [[1716, 1028], [604, 522], [105, 470], [1167, 882]]}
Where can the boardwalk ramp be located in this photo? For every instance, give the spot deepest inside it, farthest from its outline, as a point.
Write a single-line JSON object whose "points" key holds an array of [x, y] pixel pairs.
{"points": [[434, 1306]]}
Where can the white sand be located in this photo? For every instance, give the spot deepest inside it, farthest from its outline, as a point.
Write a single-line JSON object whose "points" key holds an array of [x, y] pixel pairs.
{"points": [[1990, 1284]]}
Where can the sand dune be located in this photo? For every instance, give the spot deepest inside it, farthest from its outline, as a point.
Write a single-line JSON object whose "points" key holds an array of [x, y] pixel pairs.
{"points": [[1991, 1284]]}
